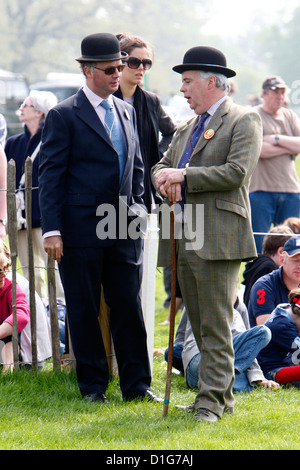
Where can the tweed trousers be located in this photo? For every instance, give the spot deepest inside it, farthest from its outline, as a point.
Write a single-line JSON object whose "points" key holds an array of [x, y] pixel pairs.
{"points": [[208, 289]]}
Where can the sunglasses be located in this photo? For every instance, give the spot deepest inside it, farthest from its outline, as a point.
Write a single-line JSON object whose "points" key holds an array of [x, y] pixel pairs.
{"points": [[111, 70], [134, 63]]}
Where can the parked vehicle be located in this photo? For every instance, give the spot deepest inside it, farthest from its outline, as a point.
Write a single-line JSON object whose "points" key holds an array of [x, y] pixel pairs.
{"points": [[62, 85], [13, 90]]}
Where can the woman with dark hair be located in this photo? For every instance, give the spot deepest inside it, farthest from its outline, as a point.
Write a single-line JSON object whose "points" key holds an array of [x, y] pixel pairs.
{"points": [[155, 126]]}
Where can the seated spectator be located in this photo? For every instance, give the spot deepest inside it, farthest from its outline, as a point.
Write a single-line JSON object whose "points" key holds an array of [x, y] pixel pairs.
{"points": [[178, 343], [247, 342], [293, 223], [273, 288], [280, 359], [62, 316], [43, 330], [6, 309], [178, 304], [268, 260]]}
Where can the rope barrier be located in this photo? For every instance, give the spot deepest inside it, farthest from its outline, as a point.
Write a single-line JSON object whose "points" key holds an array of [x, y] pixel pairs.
{"points": [[281, 234]]}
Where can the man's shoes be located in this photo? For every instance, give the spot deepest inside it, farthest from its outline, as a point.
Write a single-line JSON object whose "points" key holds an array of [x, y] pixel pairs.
{"points": [[147, 396], [150, 396], [229, 410], [202, 414], [96, 397]]}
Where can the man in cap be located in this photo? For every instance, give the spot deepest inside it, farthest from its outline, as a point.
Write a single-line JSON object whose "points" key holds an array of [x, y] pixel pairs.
{"points": [[273, 288], [274, 188], [211, 172], [86, 170], [268, 260]]}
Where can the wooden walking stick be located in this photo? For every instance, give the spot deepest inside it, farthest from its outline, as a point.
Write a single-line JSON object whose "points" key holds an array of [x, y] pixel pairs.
{"points": [[172, 316]]}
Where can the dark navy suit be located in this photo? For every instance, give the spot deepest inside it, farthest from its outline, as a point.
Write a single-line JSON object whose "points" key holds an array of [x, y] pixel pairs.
{"points": [[79, 170]]}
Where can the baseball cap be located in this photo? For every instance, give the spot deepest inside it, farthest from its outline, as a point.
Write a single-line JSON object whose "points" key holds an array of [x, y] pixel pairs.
{"points": [[272, 83], [292, 246]]}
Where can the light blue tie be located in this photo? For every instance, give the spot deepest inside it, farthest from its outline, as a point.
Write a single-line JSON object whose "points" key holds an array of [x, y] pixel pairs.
{"points": [[115, 134]]}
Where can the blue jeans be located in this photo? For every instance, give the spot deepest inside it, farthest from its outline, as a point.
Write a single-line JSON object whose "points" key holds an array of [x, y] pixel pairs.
{"points": [[246, 347], [271, 208], [62, 333], [177, 357]]}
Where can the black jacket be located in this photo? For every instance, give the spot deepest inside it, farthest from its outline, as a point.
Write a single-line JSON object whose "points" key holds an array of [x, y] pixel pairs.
{"points": [[155, 129], [19, 147]]}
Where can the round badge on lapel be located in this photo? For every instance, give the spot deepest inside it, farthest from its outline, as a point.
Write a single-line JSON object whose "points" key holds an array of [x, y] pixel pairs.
{"points": [[209, 134]]}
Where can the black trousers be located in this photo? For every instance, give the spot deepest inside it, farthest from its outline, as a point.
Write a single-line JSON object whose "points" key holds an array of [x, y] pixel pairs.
{"points": [[119, 269]]}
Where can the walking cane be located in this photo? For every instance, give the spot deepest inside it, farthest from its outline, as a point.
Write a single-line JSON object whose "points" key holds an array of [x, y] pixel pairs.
{"points": [[172, 317]]}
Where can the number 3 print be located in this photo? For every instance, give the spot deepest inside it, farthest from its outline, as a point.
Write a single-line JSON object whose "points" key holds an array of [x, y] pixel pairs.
{"points": [[261, 296]]}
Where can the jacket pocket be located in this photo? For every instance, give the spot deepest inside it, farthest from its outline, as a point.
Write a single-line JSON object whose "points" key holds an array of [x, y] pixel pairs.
{"points": [[231, 207]]}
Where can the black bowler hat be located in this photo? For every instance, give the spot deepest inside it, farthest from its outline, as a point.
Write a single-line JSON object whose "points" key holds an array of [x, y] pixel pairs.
{"points": [[205, 58], [100, 47]]}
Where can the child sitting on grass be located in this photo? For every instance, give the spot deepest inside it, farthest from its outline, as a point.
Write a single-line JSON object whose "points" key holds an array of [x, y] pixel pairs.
{"points": [[280, 359], [6, 310]]}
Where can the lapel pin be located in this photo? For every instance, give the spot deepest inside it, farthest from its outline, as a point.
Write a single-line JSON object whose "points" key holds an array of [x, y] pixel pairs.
{"points": [[208, 134]]}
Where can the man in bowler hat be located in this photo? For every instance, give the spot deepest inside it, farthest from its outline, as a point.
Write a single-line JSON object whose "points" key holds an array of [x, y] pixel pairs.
{"points": [[209, 164], [85, 167]]}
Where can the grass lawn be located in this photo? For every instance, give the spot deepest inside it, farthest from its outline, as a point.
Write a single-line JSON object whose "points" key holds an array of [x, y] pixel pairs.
{"points": [[44, 411]]}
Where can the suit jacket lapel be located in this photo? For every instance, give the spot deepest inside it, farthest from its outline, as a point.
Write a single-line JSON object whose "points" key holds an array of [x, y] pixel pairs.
{"points": [[184, 138], [86, 113], [214, 124]]}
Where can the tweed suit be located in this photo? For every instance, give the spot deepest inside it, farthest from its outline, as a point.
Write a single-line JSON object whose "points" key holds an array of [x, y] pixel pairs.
{"points": [[217, 178]]}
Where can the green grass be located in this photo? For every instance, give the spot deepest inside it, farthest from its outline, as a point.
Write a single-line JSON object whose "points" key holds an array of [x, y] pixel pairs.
{"points": [[44, 411]]}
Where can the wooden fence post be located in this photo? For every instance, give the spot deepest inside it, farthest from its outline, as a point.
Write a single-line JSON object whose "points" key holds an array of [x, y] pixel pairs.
{"points": [[53, 314], [12, 231], [32, 304]]}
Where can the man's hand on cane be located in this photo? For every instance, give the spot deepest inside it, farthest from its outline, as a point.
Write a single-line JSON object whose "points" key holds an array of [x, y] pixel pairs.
{"points": [[168, 182]]}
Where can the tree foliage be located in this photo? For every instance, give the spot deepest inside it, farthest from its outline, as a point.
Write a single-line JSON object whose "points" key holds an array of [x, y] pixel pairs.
{"points": [[278, 45], [40, 37]]}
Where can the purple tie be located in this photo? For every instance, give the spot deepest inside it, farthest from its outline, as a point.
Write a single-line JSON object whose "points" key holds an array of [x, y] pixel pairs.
{"points": [[195, 136]]}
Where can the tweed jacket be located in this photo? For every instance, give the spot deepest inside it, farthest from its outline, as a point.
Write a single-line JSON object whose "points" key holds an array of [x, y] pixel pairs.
{"points": [[218, 178]]}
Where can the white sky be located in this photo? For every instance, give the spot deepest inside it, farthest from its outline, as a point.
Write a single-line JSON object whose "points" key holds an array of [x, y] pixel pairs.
{"points": [[232, 17]]}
